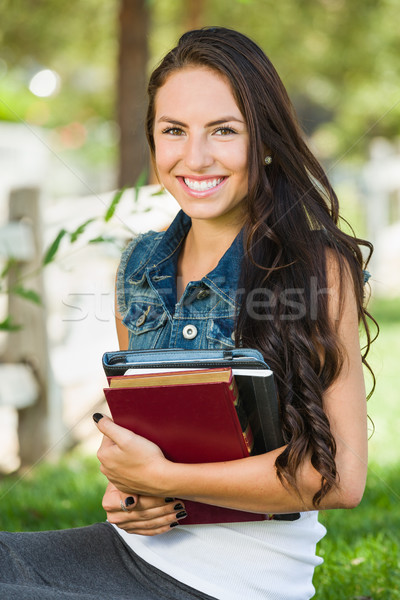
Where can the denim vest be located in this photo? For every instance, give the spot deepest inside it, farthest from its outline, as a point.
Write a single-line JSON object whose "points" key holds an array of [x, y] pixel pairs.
{"points": [[146, 294], [147, 298]]}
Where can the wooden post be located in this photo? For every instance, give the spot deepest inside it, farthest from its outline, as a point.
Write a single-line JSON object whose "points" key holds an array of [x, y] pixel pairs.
{"points": [[40, 429]]}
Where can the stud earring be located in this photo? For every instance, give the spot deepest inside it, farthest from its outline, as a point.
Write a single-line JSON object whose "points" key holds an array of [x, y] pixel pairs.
{"points": [[268, 160]]}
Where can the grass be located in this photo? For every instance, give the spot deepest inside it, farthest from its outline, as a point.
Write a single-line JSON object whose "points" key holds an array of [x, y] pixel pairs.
{"points": [[53, 496], [362, 548]]}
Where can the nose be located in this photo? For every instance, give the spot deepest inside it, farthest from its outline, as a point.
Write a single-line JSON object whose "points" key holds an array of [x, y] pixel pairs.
{"points": [[198, 154]]}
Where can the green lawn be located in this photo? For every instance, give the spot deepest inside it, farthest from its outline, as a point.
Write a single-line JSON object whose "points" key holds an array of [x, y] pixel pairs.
{"points": [[362, 547], [53, 496]]}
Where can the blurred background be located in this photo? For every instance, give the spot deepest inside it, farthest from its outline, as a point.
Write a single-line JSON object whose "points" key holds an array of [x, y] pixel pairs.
{"points": [[72, 103]]}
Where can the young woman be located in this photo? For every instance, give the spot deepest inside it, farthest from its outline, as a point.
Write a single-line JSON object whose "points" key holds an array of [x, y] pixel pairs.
{"points": [[255, 258]]}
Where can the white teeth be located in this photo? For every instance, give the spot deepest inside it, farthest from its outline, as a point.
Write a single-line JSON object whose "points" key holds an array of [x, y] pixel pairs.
{"points": [[202, 186]]}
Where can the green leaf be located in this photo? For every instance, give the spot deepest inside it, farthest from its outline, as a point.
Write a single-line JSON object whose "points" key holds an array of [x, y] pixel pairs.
{"points": [[30, 295], [159, 192], [9, 264], [141, 181], [99, 239], [113, 206], [8, 325], [52, 250], [79, 230]]}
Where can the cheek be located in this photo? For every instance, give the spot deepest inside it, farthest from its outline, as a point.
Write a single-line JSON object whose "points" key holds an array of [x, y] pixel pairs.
{"points": [[166, 156], [235, 158]]}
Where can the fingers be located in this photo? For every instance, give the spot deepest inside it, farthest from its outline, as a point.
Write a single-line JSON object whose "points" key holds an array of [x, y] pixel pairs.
{"points": [[144, 515]]}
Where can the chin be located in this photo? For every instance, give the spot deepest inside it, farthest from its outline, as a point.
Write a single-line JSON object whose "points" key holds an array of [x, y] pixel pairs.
{"points": [[201, 213]]}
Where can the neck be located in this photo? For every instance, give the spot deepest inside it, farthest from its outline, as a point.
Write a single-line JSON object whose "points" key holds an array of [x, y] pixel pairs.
{"points": [[205, 244], [208, 242]]}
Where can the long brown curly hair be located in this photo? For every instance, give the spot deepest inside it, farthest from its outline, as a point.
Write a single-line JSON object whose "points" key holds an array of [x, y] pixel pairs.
{"points": [[291, 226]]}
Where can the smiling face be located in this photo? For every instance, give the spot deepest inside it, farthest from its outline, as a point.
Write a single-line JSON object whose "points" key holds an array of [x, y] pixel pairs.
{"points": [[201, 145]]}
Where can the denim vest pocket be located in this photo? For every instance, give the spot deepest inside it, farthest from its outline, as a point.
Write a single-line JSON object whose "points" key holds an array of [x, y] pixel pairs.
{"points": [[220, 333], [145, 321]]}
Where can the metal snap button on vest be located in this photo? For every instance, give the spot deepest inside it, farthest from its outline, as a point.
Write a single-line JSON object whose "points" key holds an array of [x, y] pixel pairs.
{"points": [[140, 320], [143, 317], [233, 336], [202, 294], [189, 332]]}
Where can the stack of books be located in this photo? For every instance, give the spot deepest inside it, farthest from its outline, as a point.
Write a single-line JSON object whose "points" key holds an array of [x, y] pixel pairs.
{"points": [[197, 415]]}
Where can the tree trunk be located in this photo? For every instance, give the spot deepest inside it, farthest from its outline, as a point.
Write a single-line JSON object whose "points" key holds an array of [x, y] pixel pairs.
{"points": [[132, 79]]}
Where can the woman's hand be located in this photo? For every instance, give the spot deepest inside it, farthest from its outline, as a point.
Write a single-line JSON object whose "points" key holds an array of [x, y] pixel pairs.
{"points": [[129, 461], [143, 515]]}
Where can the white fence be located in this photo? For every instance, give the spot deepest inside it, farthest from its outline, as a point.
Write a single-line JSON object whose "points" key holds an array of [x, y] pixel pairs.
{"points": [[57, 353]]}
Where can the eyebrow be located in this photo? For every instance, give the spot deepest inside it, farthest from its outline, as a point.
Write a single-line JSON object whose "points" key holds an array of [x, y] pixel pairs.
{"points": [[166, 119]]}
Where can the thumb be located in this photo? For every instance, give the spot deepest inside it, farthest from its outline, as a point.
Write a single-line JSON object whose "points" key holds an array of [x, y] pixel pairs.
{"points": [[114, 499], [128, 501], [114, 432]]}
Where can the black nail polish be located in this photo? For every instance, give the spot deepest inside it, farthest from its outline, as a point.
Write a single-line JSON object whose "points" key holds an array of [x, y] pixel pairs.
{"points": [[129, 501], [178, 506], [97, 417], [174, 524], [169, 499], [181, 515]]}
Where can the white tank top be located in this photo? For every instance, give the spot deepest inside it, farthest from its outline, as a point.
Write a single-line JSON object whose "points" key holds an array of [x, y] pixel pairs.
{"points": [[266, 560]]}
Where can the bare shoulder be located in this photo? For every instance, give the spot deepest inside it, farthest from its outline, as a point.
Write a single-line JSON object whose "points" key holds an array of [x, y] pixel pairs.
{"points": [[343, 302]]}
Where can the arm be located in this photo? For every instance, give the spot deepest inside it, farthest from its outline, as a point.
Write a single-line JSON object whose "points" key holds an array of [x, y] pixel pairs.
{"points": [[251, 483]]}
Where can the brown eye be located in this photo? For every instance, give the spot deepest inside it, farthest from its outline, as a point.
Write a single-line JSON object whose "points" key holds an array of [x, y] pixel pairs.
{"points": [[173, 131], [223, 131]]}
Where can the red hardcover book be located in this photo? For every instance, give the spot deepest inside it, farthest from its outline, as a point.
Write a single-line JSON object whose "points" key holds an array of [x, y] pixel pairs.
{"points": [[193, 418]]}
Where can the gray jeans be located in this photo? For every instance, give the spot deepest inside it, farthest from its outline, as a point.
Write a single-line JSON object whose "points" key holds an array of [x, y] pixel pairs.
{"points": [[88, 563]]}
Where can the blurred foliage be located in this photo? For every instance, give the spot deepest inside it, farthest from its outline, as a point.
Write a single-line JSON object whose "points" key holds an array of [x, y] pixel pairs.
{"points": [[387, 310], [76, 39], [338, 59]]}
